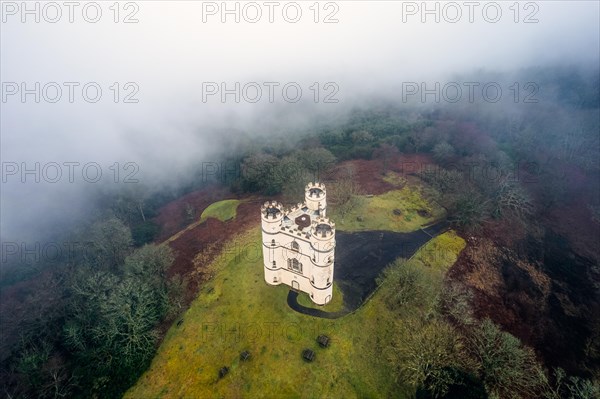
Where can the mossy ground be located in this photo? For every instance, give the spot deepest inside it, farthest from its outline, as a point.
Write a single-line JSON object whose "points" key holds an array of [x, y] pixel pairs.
{"points": [[222, 210], [238, 311], [377, 212]]}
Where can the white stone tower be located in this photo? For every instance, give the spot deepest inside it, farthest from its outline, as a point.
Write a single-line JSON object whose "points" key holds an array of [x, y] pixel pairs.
{"points": [[272, 215], [315, 196], [299, 245]]}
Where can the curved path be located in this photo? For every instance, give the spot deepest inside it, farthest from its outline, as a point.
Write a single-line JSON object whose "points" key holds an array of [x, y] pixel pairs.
{"points": [[360, 257]]}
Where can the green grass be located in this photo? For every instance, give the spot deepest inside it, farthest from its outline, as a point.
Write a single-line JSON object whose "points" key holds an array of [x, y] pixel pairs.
{"points": [[238, 311], [377, 212], [222, 210]]}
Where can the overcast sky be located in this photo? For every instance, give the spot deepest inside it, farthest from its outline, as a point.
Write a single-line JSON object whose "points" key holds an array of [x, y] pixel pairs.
{"points": [[175, 52]]}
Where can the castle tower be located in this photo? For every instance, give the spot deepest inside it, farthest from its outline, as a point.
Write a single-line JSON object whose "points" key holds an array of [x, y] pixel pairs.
{"points": [[299, 245], [323, 243], [271, 216], [316, 198]]}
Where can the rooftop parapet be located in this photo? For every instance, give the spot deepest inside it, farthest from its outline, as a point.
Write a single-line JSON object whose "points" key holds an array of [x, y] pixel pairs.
{"points": [[323, 228], [271, 210], [315, 190]]}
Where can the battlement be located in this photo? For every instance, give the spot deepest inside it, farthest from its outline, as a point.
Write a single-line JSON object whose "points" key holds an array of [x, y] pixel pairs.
{"points": [[294, 208], [323, 228], [272, 210], [315, 190]]}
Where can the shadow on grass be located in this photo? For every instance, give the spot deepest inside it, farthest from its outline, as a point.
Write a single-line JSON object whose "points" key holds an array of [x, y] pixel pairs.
{"points": [[359, 259]]}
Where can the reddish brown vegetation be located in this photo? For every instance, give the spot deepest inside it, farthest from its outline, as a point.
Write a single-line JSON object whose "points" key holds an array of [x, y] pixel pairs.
{"points": [[206, 239], [574, 221], [537, 286], [172, 217], [368, 174]]}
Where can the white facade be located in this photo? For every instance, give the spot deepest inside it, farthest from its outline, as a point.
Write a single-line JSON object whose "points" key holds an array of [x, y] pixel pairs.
{"points": [[299, 245]]}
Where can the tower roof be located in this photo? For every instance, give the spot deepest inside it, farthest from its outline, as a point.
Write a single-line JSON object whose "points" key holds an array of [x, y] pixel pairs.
{"points": [[323, 228], [272, 210]]}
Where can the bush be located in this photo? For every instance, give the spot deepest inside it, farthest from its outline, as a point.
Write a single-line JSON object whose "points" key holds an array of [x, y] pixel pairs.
{"points": [[443, 151], [455, 303], [507, 368], [470, 210], [407, 284], [403, 281], [426, 355], [144, 233]]}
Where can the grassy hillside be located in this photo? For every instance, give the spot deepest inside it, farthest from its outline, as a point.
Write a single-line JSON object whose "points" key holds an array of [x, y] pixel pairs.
{"points": [[411, 208], [222, 210], [237, 311]]}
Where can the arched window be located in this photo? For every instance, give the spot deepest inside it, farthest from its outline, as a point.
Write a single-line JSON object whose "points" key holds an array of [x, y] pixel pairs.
{"points": [[294, 265], [272, 243], [274, 264], [295, 246]]}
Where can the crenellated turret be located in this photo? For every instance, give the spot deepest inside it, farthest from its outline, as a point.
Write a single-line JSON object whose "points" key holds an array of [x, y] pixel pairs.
{"points": [[323, 229], [271, 210], [315, 196]]}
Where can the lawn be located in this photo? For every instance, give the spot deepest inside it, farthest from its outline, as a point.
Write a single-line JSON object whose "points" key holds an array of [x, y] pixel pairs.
{"points": [[237, 311], [222, 210], [377, 212]]}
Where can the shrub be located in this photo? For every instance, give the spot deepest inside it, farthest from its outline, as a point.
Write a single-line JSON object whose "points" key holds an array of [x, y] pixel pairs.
{"points": [[426, 354], [507, 368]]}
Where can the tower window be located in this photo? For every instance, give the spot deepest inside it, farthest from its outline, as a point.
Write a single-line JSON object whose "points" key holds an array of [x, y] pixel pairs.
{"points": [[274, 264], [272, 243], [295, 246], [295, 265]]}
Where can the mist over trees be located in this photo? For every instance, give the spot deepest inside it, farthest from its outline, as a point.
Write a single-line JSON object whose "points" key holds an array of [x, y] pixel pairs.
{"points": [[96, 328], [87, 323]]}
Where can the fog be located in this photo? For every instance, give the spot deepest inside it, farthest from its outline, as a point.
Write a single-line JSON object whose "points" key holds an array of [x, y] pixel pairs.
{"points": [[165, 60]]}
